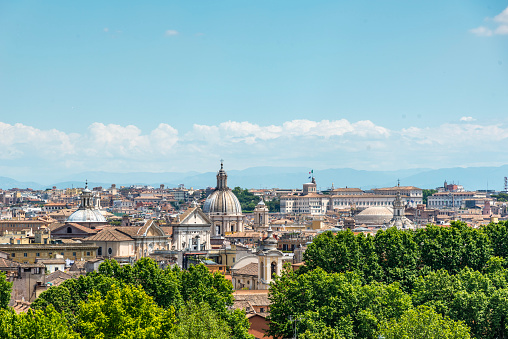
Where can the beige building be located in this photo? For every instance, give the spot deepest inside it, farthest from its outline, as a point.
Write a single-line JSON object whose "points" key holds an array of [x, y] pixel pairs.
{"points": [[30, 252], [256, 271], [191, 230], [130, 243], [308, 202]]}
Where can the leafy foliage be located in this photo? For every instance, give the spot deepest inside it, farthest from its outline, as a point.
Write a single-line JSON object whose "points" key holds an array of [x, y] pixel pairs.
{"points": [[198, 321], [501, 196], [170, 290], [426, 193], [247, 200], [5, 291], [423, 322], [48, 324], [354, 286], [124, 313]]}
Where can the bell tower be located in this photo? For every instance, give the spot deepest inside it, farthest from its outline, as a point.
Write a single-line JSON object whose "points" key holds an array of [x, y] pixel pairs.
{"points": [[261, 219]]}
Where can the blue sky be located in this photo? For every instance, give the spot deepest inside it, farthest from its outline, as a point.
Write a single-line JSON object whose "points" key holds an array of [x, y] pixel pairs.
{"points": [[177, 85]]}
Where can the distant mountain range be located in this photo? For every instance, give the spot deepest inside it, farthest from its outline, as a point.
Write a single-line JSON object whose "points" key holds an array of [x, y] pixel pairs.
{"points": [[471, 178]]}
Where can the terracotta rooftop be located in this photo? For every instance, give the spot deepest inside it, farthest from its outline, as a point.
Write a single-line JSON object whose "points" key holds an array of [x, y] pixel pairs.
{"points": [[78, 226], [110, 234], [250, 269]]}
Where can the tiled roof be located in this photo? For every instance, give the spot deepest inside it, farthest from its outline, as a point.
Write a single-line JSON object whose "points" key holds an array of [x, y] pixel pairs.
{"points": [[250, 269], [6, 263], [168, 230], [51, 261], [244, 235], [57, 274], [21, 306], [78, 226], [254, 297], [131, 231], [110, 234], [396, 188], [347, 189]]}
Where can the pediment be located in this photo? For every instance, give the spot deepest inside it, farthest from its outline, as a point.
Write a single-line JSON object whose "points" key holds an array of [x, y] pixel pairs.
{"points": [[197, 218]]}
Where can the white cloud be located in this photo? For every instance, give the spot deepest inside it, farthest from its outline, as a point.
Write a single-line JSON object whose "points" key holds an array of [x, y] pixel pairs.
{"points": [[502, 29], [502, 17], [247, 132], [481, 31], [330, 143], [171, 32]]}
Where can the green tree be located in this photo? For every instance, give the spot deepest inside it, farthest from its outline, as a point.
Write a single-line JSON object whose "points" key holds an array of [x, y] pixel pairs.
{"points": [[199, 321], [398, 255], [426, 193], [322, 301], [500, 197], [38, 324], [423, 322], [453, 248], [273, 205], [124, 313], [248, 200], [498, 235], [5, 291]]}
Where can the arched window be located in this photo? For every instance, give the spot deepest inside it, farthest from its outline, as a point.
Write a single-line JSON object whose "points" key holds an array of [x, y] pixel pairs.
{"points": [[274, 269], [99, 251], [262, 271], [69, 229]]}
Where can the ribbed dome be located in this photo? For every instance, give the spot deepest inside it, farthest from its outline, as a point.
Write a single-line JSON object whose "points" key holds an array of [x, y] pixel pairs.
{"points": [[374, 216], [385, 211], [222, 201], [87, 211], [86, 215]]}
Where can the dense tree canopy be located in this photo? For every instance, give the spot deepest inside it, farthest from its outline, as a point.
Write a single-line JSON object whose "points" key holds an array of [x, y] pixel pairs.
{"points": [[248, 201], [5, 291], [89, 302], [426, 193], [451, 282]]}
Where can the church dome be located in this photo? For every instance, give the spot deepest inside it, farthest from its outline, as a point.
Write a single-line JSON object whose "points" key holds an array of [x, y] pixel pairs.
{"points": [[222, 200], [87, 211], [86, 215], [374, 216]]}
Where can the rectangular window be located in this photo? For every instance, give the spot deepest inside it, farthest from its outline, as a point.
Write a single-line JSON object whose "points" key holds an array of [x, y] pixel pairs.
{"points": [[87, 254], [73, 254], [37, 254], [13, 255], [25, 255], [62, 253]]}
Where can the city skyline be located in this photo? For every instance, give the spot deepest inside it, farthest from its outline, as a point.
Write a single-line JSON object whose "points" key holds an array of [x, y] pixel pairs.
{"points": [[175, 87]]}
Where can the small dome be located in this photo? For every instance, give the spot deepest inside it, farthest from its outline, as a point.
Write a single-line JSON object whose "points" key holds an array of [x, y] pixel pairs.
{"points": [[374, 216], [86, 215], [377, 211], [222, 201]]}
